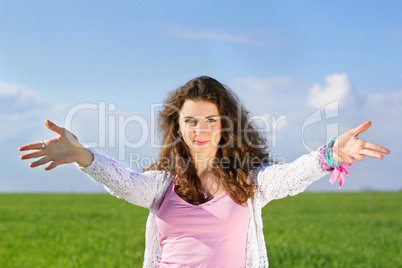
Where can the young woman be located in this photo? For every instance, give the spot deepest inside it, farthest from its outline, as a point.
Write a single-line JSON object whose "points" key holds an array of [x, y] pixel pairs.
{"points": [[213, 176]]}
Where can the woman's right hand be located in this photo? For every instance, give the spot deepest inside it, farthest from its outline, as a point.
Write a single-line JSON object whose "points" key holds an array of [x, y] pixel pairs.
{"points": [[62, 149]]}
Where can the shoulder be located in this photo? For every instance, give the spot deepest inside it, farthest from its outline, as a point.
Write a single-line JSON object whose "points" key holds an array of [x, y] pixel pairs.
{"points": [[254, 173], [158, 176]]}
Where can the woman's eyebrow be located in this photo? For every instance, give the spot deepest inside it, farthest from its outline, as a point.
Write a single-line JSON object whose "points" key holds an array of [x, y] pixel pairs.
{"points": [[205, 117]]}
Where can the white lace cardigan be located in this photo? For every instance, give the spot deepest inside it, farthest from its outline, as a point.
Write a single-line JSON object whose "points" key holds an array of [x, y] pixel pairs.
{"points": [[147, 190]]}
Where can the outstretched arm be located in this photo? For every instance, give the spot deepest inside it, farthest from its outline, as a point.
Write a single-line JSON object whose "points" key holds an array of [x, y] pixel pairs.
{"points": [[348, 148], [62, 149], [278, 181], [141, 189]]}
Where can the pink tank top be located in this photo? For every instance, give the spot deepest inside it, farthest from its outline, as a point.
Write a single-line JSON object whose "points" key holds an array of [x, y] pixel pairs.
{"points": [[212, 234]]}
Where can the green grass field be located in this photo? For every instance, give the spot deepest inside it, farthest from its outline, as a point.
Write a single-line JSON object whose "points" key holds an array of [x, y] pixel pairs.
{"points": [[98, 230]]}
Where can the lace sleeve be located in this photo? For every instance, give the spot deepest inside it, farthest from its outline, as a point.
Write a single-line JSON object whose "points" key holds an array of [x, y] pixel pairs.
{"points": [[279, 181], [137, 188]]}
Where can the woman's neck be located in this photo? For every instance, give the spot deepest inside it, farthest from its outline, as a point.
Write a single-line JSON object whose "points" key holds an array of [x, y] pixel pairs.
{"points": [[203, 163]]}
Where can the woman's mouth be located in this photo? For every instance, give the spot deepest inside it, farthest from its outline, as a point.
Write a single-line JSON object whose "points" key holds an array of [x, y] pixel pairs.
{"points": [[201, 142]]}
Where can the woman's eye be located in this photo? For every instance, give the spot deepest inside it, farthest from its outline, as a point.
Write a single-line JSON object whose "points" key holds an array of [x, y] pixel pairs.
{"points": [[192, 121]]}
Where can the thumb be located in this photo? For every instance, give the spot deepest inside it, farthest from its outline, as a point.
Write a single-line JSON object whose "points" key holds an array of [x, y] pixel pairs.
{"points": [[363, 127], [53, 127]]}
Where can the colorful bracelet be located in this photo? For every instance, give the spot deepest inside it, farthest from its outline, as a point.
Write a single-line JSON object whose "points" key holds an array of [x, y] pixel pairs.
{"points": [[326, 156], [328, 162], [328, 153]]}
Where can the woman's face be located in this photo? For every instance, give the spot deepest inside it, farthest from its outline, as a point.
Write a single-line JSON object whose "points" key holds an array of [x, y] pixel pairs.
{"points": [[200, 125]]}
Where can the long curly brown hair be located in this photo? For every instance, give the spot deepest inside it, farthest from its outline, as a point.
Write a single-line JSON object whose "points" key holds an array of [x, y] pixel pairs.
{"points": [[240, 150]]}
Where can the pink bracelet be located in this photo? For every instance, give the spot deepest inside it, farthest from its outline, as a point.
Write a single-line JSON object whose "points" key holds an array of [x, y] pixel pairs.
{"points": [[337, 174]]}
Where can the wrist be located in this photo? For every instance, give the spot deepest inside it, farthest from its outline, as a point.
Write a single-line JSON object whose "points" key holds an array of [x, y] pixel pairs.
{"points": [[85, 157], [335, 156], [328, 158]]}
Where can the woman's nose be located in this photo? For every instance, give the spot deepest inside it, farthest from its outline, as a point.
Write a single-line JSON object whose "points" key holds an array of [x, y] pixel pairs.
{"points": [[202, 127]]}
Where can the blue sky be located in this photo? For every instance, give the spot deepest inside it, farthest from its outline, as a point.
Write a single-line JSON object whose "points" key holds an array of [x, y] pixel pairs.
{"points": [[282, 58]]}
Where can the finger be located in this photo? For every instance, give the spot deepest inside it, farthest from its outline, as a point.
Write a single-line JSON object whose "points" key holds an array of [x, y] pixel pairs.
{"points": [[41, 161], [356, 156], [371, 153], [34, 154], [31, 146], [53, 127], [363, 127], [52, 165], [376, 147]]}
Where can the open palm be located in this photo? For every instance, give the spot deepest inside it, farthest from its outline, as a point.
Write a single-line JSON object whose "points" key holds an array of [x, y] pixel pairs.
{"points": [[348, 147], [62, 149]]}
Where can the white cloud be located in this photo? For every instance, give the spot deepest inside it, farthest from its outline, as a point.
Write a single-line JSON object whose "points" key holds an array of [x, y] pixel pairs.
{"points": [[266, 84], [270, 94], [337, 88], [18, 91], [389, 101], [16, 100], [384, 110], [21, 108], [251, 38], [210, 35]]}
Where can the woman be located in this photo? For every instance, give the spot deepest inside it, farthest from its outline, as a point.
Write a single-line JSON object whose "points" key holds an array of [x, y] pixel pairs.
{"points": [[206, 191]]}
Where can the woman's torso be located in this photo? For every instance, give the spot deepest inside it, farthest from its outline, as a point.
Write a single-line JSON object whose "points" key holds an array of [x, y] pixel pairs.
{"points": [[212, 234]]}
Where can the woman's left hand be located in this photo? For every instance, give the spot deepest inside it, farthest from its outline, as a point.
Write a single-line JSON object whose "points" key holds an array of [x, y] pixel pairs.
{"points": [[348, 147]]}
